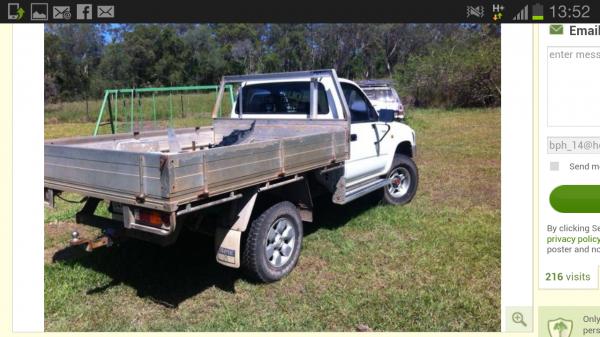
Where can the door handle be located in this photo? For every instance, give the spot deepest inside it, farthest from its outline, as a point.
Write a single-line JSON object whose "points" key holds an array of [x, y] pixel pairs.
{"points": [[353, 137]]}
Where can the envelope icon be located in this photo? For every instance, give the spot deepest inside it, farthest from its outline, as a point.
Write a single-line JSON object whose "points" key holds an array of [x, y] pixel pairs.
{"points": [[556, 29], [61, 12], [106, 12]]}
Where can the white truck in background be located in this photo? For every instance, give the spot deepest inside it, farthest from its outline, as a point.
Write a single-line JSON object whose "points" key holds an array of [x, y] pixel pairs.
{"points": [[249, 179], [383, 96]]}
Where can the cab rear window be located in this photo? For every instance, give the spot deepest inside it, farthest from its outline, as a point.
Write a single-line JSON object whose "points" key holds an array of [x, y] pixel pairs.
{"points": [[281, 98]]}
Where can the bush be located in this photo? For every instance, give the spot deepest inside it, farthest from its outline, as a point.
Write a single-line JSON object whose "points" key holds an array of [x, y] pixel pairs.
{"points": [[463, 73], [50, 89]]}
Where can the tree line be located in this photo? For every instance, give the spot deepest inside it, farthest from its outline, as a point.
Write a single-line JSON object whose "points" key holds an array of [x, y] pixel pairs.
{"points": [[432, 65]]}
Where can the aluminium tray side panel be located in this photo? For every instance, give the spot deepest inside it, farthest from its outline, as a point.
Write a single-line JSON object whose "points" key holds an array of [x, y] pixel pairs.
{"points": [[229, 168], [103, 170], [311, 151], [171, 179], [184, 174]]}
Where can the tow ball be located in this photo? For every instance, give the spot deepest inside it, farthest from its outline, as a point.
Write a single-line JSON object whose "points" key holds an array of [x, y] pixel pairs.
{"points": [[104, 240]]}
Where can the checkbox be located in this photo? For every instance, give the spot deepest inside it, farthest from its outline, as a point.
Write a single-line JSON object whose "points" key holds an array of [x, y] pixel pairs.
{"points": [[553, 166], [556, 29]]}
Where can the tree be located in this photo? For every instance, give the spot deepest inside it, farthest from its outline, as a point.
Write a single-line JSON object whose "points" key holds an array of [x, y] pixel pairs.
{"points": [[289, 43], [169, 65], [460, 69], [114, 71], [445, 65], [72, 52], [204, 60], [240, 46], [561, 327]]}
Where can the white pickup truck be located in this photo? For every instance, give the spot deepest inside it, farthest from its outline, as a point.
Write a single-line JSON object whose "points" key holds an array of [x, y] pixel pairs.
{"points": [[250, 178]]}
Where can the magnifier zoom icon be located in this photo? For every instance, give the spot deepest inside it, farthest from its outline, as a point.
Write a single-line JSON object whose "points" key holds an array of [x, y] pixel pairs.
{"points": [[517, 318]]}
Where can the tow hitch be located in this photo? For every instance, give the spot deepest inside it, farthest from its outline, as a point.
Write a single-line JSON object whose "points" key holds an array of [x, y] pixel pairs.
{"points": [[107, 239]]}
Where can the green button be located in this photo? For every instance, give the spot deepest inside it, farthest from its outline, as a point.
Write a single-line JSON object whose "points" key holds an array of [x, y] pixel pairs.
{"points": [[576, 199]]}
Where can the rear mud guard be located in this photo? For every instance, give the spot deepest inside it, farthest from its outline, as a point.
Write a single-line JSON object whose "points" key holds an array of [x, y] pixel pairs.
{"points": [[228, 239]]}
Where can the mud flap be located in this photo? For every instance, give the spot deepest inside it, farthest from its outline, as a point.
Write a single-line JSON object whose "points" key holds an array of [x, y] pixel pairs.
{"points": [[228, 244], [339, 196], [228, 239]]}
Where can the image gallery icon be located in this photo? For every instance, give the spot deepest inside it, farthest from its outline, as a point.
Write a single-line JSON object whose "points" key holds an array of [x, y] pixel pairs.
{"points": [[84, 11], [39, 12]]}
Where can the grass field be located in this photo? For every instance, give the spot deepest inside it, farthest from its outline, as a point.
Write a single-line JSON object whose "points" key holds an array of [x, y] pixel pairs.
{"points": [[178, 105], [433, 265]]}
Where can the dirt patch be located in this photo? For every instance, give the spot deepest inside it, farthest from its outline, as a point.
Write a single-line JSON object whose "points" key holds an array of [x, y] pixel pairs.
{"points": [[57, 236]]}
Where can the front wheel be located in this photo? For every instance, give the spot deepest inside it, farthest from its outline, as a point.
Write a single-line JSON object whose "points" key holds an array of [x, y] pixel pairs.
{"points": [[273, 243], [403, 181]]}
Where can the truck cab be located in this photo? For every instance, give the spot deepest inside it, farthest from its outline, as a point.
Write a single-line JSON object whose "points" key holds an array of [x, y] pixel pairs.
{"points": [[375, 139]]}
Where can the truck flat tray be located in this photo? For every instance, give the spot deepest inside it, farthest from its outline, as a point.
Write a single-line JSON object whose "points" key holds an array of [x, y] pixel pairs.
{"points": [[156, 170]]}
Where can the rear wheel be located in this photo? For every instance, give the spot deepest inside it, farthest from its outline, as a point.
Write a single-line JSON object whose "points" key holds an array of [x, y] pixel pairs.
{"points": [[273, 243], [403, 181]]}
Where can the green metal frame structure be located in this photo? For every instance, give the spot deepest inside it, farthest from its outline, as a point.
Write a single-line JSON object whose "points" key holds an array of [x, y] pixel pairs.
{"points": [[111, 95]]}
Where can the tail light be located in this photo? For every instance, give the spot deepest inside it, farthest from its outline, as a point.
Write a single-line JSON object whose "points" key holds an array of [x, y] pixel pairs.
{"points": [[152, 218]]}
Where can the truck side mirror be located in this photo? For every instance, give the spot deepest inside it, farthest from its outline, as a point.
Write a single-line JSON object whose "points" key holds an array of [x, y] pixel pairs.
{"points": [[386, 115]]}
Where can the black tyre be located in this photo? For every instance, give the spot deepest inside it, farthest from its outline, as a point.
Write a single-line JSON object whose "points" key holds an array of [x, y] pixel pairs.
{"points": [[404, 179], [273, 243]]}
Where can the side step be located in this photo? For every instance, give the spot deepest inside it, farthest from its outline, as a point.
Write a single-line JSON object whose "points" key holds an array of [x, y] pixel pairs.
{"points": [[343, 196]]}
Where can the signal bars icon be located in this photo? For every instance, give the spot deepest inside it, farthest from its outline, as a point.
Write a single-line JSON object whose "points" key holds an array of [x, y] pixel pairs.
{"points": [[523, 14]]}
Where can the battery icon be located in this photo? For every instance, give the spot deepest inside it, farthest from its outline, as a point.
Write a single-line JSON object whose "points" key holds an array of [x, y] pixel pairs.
{"points": [[537, 12]]}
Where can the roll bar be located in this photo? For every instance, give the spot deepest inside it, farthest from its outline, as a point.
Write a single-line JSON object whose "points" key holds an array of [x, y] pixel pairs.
{"points": [[312, 75]]}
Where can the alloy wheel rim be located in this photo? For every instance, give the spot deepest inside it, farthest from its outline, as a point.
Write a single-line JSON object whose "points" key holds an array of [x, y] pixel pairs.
{"points": [[399, 182], [281, 241]]}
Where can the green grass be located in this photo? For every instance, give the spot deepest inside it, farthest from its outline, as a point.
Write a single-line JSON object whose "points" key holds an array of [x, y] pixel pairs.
{"points": [[432, 265], [177, 106]]}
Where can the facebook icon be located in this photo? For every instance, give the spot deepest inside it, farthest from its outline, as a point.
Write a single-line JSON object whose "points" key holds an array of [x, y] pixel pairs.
{"points": [[84, 12]]}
